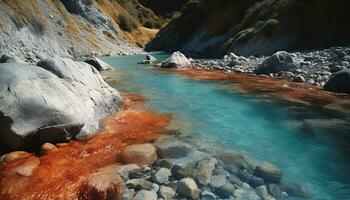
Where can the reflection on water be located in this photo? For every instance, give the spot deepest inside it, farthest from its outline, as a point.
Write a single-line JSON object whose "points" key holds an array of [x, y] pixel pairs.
{"points": [[310, 144]]}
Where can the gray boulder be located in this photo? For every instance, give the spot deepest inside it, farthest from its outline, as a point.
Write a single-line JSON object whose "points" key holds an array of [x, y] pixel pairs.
{"points": [[149, 60], [98, 64], [340, 82], [203, 171], [280, 61], [188, 188], [53, 102], [268, 172], [176, 60], [225, 191], [166, 192], [146, 195], [162, 175], [172, 149]]}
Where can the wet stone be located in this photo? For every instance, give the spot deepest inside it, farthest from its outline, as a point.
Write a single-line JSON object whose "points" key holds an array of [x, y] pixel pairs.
{"points": [[146, 195], [243, 175], [166, 192], [225, 191], [205, 195], [161, 176]]}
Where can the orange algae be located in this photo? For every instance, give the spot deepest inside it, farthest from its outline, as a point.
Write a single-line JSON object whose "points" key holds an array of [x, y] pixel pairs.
{"points": [[284, 89], [61, 174]]}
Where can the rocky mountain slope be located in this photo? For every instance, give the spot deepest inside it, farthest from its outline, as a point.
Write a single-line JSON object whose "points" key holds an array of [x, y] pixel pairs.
{"points": [[72, 28], [255, 27]]}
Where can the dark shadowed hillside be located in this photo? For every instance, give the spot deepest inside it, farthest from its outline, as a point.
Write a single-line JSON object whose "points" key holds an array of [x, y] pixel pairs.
{"points": [[255, 26], [164, 8]]}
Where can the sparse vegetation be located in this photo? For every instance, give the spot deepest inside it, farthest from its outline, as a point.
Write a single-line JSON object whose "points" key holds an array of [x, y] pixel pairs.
{"points": [[126, 23], [38, 26]]}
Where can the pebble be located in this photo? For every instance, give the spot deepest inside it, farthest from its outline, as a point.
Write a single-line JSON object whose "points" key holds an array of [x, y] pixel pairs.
{"points": [[188, 188], [162, 175], [166, 192], [146, 195]]}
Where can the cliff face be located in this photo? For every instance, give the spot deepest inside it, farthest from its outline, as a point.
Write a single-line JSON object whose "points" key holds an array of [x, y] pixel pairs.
{"points": [[71, 28], [215, 27]]}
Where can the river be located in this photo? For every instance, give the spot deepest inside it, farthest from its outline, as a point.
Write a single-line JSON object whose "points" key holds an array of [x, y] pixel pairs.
{"points": [[310, 145]]}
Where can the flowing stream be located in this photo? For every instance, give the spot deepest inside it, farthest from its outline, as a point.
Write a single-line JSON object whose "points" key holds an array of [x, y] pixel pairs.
{"points": [[310, 145]]}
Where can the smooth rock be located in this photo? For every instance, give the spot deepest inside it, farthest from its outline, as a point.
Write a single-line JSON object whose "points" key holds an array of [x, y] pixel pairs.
{"points": [[27, 168], [188, 188], [128, 194], [268, 172], [203, 171], [255, 181], [233, 158], [62, 98], [176, 60], [217, 181], [146, 195], [299, 79], [48, 148], [166, 192], [340, 82], [226, 190], [104, 184], [280, 61], [13, 156], [98, 64], [172, 149], [140, 154], [161, 176]]}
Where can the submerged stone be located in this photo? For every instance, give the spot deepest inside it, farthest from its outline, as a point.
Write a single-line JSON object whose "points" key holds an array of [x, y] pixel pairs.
{"points": [[268, 172]]}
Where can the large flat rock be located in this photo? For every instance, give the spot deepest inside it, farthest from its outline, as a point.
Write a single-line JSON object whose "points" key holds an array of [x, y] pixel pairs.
{"points": [[53, 102]]}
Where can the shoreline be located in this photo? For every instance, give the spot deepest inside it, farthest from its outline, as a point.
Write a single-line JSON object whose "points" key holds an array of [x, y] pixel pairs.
{"points": [[232, 173]]}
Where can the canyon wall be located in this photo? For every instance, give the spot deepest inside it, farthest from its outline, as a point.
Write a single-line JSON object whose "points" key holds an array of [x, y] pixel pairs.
{"points": [[255, 27]]}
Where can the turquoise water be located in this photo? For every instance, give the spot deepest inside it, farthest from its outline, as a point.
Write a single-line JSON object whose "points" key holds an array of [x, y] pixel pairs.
{"points": [[310, 145]]}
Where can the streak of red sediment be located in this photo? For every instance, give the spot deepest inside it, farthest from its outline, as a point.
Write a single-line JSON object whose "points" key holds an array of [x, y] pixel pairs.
{"points": [[60, 174], [284, 89]]}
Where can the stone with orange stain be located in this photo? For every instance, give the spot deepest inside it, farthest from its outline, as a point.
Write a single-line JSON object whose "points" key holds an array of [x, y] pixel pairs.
{"points": [[140, 154], [104, 184], [62, 174], [28, 167], [13, 156], [48, 148]]}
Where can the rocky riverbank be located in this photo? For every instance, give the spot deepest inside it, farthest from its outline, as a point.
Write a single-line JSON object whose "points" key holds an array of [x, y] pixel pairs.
{"points": [[184, 170], [328, 68]]}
